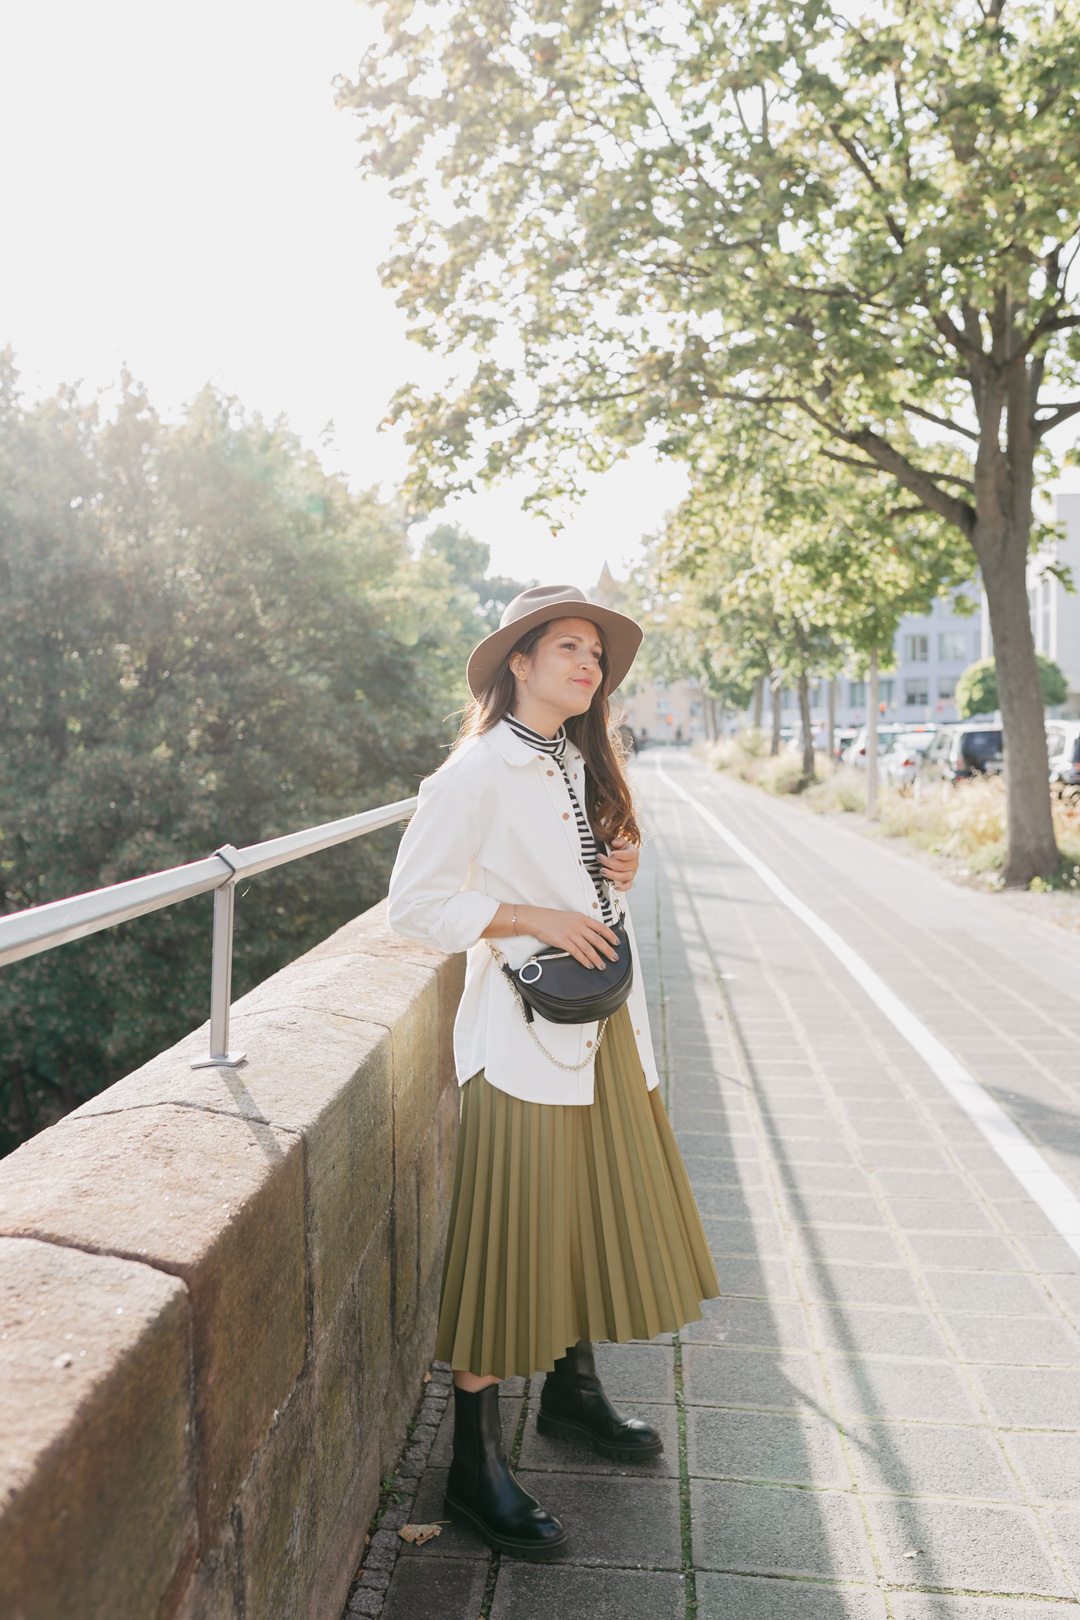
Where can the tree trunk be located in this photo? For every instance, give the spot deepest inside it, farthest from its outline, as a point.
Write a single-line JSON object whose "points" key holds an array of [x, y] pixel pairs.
{"points": [[755, 714], [871, 738], [1004, 484], [777, 695], [830, 725], [807, 727], [1032, 847]]}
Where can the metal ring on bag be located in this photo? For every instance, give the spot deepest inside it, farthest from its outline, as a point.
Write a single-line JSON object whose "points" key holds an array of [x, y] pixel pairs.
{"points": [[532, 963]]}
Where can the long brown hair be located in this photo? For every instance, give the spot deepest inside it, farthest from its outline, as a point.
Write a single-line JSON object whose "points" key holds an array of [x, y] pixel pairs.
{"points": [[609, 804]]}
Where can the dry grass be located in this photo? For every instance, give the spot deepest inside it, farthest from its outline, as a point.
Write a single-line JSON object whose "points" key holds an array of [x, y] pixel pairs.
{"points": [[964, 823]]}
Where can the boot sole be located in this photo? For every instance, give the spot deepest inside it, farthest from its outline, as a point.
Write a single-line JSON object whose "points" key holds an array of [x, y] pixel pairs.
{"points": [[506, 1544], [566, 1429]]}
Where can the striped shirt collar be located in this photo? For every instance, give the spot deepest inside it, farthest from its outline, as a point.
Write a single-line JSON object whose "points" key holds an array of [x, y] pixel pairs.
{"points": [[555, 746]]}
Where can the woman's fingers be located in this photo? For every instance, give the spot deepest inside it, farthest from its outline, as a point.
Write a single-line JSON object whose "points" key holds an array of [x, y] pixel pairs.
{"points": [[603, 939]]}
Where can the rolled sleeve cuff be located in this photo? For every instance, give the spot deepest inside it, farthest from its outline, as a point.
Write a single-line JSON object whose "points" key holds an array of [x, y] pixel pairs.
{"points": [[462, 919]]}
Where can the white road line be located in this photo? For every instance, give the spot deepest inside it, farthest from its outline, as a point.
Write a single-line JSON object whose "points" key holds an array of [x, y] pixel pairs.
{"points": [[1056, 1200]]}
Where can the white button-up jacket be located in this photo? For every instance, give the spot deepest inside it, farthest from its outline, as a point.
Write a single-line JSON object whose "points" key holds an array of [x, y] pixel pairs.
{"points": [[495, 825]]}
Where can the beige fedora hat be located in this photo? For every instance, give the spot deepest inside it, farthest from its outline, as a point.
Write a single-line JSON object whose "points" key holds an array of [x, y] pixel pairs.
{"points": [[622, 635]]}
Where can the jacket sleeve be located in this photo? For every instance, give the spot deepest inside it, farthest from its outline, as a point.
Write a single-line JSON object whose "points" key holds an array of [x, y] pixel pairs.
{"points": [[428, 900]]}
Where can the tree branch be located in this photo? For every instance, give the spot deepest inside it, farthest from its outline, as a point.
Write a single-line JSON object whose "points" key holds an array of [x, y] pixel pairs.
{"points": [[939, 421], [1061, 414]]}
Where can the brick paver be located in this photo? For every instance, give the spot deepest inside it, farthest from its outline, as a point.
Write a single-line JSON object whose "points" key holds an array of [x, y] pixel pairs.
{"points": [[880, 1418]]}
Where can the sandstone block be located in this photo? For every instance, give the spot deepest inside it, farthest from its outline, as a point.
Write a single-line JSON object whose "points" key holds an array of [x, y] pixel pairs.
{"points": [[406, 1249], [411, 1361], [372, 987], [216, 1200], [322, 1074], [418, 1081], [371, 1302], [97, 1484], [343, 1544], [213, 1590], [278, 1514], [449, 1118], [370, 933], [431, 1217]]}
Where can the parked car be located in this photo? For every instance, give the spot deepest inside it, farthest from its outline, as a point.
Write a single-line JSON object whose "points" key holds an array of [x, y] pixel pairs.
{"points": [[916, 754], [1063, 753], [842, 740], [974, 750], [888, 736], [855, 752]]}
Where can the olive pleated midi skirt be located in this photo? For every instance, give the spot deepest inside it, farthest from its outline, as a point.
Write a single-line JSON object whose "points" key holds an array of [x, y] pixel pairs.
{"points": [[568, 1223]]}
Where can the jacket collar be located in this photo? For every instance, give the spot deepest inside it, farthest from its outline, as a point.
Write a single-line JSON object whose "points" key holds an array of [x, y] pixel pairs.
{"points": [[515, 750]]}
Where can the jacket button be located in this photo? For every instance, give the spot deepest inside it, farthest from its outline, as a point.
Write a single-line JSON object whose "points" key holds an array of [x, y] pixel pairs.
{"points": [[566, 815], [637, 1032], [551, 773], [595, 906], [588, 1043]]}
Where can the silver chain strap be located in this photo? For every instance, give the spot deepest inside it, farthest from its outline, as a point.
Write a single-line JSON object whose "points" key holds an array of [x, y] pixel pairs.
{"points": [[568, 1068]]}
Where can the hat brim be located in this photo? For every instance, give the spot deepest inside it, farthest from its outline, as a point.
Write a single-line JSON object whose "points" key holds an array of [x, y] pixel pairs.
{"points": [[622, 638]]}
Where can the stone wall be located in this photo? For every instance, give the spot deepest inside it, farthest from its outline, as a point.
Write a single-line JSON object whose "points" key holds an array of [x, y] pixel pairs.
{"points": [[217, 1297]]}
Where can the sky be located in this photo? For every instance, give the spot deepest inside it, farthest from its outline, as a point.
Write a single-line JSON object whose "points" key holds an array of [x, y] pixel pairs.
{"points": [[180, 195]]}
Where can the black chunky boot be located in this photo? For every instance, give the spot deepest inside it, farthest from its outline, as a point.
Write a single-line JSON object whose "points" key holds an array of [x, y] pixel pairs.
{"points": [[482, 1492], [573, 1405]]}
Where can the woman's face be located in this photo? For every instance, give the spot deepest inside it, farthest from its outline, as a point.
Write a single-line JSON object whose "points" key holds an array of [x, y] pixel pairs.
{"points": [[563, 670]]}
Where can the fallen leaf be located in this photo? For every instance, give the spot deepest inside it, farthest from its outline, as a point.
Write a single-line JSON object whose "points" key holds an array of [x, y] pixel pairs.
{"points": [[427, 1378], [914, 1553], [417, 1534]]}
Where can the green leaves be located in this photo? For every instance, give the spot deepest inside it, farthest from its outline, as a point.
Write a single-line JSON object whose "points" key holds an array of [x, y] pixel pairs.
{"points": [[861, 217], [203, 637]]}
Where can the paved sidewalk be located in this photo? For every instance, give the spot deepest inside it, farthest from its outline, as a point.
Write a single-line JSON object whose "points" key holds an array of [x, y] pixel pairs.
{"points": [[880, 1416]]}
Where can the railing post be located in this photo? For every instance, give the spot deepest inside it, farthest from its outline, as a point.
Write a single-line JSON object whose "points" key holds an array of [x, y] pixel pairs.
{"points": [[221, 974]]}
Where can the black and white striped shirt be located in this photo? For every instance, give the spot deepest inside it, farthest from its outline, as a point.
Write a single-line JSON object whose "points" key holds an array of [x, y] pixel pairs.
{"points": [[590, 851]]}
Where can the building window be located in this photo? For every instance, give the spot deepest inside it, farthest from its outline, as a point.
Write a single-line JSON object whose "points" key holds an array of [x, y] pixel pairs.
{"points": [[952, 646], [946, 688], [916, 649], [916, 692], [856, 693], [885, 692]]}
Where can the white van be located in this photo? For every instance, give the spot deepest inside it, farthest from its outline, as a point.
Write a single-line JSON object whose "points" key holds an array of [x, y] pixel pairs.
{"points": [[1063, 754]]}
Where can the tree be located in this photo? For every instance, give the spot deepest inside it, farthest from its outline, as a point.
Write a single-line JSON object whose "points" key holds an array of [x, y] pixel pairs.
{"points": [[696, 220], [797, 568], [977, 692], [203, 637]]}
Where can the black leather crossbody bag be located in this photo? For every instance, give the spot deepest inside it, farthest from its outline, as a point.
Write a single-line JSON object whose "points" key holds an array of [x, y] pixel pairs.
{"points": [[558, 987]]}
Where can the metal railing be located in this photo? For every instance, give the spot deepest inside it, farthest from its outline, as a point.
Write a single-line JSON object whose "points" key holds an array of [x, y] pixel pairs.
{"points": [[42, 928]]}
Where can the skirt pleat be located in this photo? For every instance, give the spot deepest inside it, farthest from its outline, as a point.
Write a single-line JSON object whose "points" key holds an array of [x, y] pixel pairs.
{"points": [[568, 1223]]}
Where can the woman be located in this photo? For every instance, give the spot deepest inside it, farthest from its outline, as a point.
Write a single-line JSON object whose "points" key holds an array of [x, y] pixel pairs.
{"points": [[572, 1217]]}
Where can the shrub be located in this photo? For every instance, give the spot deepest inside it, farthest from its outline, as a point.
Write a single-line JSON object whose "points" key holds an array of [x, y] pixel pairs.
{"points": [[977, 693]]}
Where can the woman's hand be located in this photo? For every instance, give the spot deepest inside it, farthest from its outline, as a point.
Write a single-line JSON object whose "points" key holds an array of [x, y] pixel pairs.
{"points": [[586, 938], [620, 867]]}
